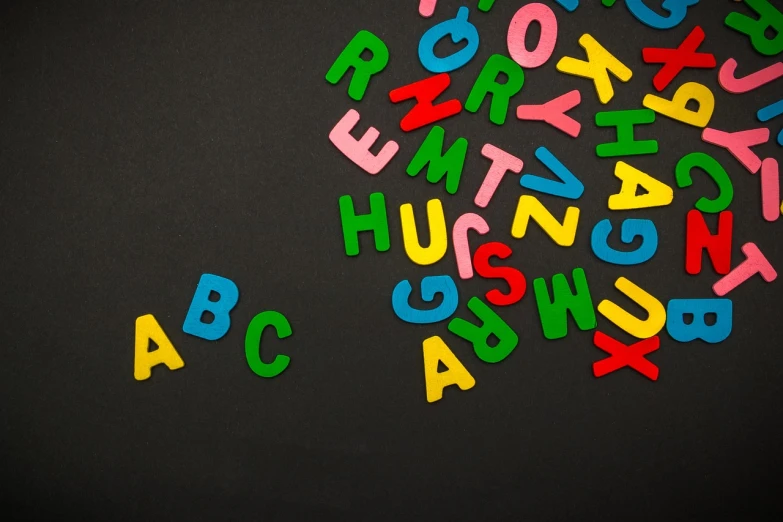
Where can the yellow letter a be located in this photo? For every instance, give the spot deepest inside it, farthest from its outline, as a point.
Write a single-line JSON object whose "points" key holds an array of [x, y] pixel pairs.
{"points": [[435, 351], [147, 328]]}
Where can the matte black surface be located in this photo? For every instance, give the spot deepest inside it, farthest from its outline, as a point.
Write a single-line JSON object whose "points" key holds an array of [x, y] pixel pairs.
{"points": [[145, 143]]}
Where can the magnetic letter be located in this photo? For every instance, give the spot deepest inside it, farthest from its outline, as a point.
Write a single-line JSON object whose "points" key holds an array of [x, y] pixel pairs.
{"points": [[436, 351], [770, 18], [228, 295], [625, 121], [502, 162], [658, 194], [675, 60], [374, 222], [351, 57], [698, 328], [529, 206], [517, 31], [569, 186], [459, 236], [599, 64], [148, 329], [629, 230], [253, 344], [677, 10], [358, 151], [425, 91], [517, 284], [440, 164], [438, 235], [718, 174], [554, 320], [460, 29], [430, 286], [642, 329], [739, 144], [487, 83], [698, 237], [755, 263], [479, 335]]}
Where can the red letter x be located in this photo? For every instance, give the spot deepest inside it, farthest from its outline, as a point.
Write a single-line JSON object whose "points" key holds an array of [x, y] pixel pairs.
{"points": [[675, 60], [622, 356], [425, 92]]}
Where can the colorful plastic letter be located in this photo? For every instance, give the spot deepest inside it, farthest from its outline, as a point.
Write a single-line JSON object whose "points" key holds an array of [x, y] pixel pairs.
{"points": [[676, 107], [148, 329], [625, 121], [755, 263], [517, 31], [460, 29], [438, 164], [569, 186], [770, 18], [374, 222], [739, 144], [599, 64], [351, 57], [770, 189], [228, 295], [479, 335], [424, 112], [658, 194], [358, 151], [621, 356], [529, 206], [677, 10], [718, 174], [698, 328], [459, 236], [641, 329], [517, 284], [502, 162], [430, 286], [487, 83], [629, 230], [438, 235], [554, 113], [253, 344], [718, 246], [750, 82], [436, 352], [554, 320], [675, 60]]}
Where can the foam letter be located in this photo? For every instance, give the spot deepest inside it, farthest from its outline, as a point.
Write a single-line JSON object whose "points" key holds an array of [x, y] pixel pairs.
{"points": [[517, 284], [625, 121], [675, 60], [517, 31], [718, 174], [698, 237], [502, 162], [363, 69], [770, 189], [460, 29], [629, 230], [755, 263], [375, 222], [438, 235], [425, 91], [554, 320], [750, 82], [658, 194], [220, 309], [479, 335], [427, 7], [677, 10], [449, 164], [769, 18], [698, 328], [568, 187], [435, 352], [147, 328], [599, 64], [676, 108], [529, 206], [642, 329], [253, 344], [772, 111], [553, 112], [487, 83], [459, 236], [430, 286], [739, 144], [358, 151]]}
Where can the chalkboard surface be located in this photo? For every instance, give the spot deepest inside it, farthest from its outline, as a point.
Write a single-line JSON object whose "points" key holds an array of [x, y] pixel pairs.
{"points": [[143, 144]]}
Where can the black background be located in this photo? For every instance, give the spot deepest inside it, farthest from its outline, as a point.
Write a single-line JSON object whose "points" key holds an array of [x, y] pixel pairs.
{"points": [[145, 143]]}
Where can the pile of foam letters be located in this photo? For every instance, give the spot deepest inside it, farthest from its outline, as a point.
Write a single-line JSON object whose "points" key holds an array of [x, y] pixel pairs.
{"points": [[501, 78]]}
